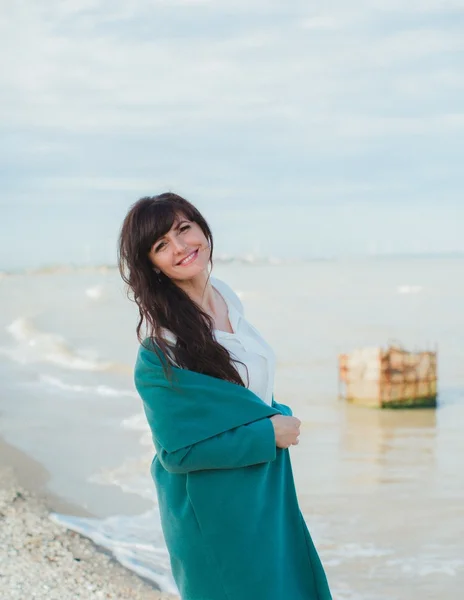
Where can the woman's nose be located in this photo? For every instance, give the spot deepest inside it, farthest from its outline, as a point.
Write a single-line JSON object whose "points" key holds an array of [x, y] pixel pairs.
{"points": [[179, 245]]}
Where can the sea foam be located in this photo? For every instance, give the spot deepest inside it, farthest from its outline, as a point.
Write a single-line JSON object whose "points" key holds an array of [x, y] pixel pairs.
{"points": [[33, 345]]}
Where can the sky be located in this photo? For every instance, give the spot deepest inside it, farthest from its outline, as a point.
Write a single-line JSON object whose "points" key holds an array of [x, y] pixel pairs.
{"points": [[298, 129]]}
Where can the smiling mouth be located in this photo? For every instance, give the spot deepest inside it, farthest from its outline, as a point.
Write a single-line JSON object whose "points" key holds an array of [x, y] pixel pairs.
{"points": [[188, 259]]}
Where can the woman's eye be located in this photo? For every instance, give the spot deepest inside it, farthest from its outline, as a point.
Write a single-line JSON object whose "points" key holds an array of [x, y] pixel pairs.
{"points": [[181, 229]]}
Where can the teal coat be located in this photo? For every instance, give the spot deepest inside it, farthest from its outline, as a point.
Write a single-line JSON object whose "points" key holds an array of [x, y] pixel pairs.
{"points": [[227, 499]]}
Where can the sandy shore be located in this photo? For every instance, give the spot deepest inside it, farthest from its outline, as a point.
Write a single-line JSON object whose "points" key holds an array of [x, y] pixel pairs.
{"points": [[41, 560]]}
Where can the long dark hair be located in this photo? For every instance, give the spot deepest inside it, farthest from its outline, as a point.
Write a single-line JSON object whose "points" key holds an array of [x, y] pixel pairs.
{"points": [[161, 303]]}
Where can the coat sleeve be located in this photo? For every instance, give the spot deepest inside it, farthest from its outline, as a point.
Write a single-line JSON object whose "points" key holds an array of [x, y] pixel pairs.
{"points": [[284, 409], [242, 446]]}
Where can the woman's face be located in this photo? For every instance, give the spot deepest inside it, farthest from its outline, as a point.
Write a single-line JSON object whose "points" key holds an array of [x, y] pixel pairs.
{"points": [[182, 252]]}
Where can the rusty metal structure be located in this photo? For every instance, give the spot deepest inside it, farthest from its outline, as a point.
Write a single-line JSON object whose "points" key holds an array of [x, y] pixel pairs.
{"points": [[391, 378]]}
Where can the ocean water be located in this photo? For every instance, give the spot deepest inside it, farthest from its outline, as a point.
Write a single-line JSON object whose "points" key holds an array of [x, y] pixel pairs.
{"points": [[382, 491]]}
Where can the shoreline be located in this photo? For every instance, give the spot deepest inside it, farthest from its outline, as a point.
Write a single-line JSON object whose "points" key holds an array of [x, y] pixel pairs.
{"points": [[33, 477], [43, 560]]}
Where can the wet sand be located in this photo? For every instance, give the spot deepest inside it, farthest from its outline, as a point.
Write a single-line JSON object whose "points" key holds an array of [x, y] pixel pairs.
{"points": [[41, 559]]}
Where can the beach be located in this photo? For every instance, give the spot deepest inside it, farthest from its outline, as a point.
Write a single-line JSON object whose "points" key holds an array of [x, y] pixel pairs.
{"points": [[381, 491], [40, 559]]}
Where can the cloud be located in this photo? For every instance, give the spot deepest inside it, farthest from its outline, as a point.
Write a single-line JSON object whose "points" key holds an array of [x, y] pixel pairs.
{"points": [[417, 6], [244, 93], [87, 80], [323, 23], [411, 45], [351, 126]]}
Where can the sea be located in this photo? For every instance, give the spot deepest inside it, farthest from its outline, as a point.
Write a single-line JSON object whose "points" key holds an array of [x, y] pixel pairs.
{"points": [[382, 491]]}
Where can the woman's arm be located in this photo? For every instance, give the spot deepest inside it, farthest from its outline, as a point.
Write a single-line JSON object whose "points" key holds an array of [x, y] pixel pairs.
{"points": [[243, 446]]}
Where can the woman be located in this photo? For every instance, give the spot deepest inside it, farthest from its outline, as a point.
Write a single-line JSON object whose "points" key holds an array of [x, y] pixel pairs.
{"points": [[227, 500]]}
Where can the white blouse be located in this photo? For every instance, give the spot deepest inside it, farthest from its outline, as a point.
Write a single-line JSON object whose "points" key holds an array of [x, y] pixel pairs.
{"points": [[245, 344]]}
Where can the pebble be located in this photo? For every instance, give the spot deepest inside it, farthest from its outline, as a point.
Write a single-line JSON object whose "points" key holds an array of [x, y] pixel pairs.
{"points": [[41, 560]]}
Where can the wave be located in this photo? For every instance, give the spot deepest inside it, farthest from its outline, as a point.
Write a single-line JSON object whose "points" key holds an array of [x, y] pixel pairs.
{"points": [[409, 289], [133, 474], [33, 345], [136, 542], [99, 390], [95, 292], [137, 422], [425, 565]]}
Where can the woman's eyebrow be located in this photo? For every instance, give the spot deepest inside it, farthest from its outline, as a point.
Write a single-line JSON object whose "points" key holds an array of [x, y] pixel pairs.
{"points": [[180, 223], [176, 228]]}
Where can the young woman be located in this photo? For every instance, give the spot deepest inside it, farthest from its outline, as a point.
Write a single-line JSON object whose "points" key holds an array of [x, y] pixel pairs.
{"points": [[227, 499]]}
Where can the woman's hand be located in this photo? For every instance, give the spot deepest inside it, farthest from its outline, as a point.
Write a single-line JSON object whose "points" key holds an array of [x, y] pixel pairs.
{"points": [[287, 430]]}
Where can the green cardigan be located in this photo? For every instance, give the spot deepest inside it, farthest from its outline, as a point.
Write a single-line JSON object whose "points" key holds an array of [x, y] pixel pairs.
{"points": [[226, 495]]}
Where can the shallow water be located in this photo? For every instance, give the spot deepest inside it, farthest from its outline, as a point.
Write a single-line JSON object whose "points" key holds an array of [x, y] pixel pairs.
{"points": [[382, 491]]}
